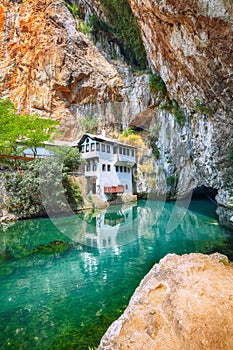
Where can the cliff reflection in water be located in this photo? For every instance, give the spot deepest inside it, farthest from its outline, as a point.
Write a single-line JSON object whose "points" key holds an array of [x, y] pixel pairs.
{"points": [[70, 277], [121, 225]]}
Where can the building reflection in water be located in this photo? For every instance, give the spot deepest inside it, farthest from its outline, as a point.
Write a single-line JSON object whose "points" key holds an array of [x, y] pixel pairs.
{"points": [[116, 226]]}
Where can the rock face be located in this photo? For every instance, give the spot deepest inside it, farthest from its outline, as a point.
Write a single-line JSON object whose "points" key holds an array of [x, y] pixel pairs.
{"points": [[185, 302], [190, 44], [49, 67]]}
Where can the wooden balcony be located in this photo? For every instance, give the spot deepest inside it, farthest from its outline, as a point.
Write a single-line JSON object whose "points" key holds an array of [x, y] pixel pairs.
{"points": [[114, 189]]}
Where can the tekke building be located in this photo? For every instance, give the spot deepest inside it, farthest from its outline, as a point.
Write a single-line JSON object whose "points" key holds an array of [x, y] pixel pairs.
{"points": [[110, 166]]}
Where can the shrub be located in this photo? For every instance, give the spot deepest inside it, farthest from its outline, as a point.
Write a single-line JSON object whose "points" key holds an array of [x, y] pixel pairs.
{"points": [[173, 107], [172, 182], [155, 151], [24, 187], [157, 85], [201, 107], [74, 10], [128, 132]]}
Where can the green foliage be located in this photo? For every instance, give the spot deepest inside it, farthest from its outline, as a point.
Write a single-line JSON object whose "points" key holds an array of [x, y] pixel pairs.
{"points": [[73, 8], [157, 85], [202, 108], [155, 151], [72, 192], [24, 193], [72, 160], [173, 107], [88, 123], [30, 130], [127, 132], [122, 27], [24, 187], [57, 247], [84, 27], [172, 182]]}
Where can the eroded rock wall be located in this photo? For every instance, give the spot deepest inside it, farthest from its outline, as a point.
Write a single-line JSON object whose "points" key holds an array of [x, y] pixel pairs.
{"points": [[190, 44], [49, 67]]}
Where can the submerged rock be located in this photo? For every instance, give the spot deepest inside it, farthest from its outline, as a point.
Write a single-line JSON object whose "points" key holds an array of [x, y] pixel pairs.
{"points": [[184, 302]]}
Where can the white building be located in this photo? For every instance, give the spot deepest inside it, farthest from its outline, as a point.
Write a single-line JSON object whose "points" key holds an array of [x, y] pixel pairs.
{"points": [[110, 166]]}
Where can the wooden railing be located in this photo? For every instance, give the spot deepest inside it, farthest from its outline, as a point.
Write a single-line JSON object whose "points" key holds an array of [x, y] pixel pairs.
{"points": [[114, 189], [16, 157]]}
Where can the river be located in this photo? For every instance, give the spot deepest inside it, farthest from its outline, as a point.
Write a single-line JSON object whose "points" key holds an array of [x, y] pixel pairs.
{"points": [[65, 280]]}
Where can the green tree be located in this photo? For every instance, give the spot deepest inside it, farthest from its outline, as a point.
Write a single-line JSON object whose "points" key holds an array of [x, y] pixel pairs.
{"points": [[29, 130], [72, 160], [44, 184]]}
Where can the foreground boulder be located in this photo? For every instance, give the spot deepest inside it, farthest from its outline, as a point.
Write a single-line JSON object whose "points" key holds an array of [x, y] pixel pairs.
{"points": [[184, 302]]}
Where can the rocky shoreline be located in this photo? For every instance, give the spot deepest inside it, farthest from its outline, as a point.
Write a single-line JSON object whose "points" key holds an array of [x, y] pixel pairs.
{"points": [[184, 302]]}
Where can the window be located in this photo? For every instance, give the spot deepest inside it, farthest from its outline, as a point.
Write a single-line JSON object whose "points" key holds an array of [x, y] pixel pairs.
{"points": [[97, 146], [94, 167], [83, 149], [115, 150], [127, 152], [87, 148], [132, 153], [109, 167], [92, 146], [88, 167], [120, 150], [117, 168], [124, 151], [125, 169], [108, 149], [121, 169], [128, 170], [126, 187], [103, 167], [103, 147]]}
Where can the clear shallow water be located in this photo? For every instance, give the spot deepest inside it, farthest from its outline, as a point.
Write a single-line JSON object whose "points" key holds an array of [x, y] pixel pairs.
{"points": [[67, 299]]}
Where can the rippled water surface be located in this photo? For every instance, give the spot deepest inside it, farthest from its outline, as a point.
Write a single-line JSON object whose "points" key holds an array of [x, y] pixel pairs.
{"points": [[64, 281]]}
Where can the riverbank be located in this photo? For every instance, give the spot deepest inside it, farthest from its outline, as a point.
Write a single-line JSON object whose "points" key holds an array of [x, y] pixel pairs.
{"points": [[184, 302]]}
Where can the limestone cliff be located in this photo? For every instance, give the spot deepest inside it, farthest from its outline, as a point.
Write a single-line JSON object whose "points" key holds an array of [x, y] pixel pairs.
{"points": [[185, 302], [49, 67], [190, 44]]}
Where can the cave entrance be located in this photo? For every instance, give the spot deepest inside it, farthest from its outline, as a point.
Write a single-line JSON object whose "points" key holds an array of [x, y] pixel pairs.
{"points": [[204, 192], [203, 201]]}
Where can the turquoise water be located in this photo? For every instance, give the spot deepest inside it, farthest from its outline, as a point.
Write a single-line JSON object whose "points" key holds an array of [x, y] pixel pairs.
{"points": [[65, 295]]}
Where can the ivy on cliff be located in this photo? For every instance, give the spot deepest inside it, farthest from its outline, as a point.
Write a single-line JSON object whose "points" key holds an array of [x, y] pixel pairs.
{"points": [[122, 27]]}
